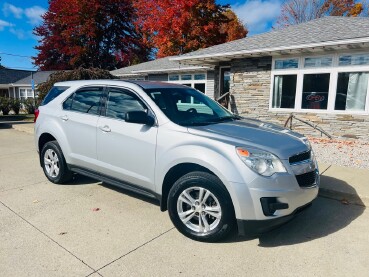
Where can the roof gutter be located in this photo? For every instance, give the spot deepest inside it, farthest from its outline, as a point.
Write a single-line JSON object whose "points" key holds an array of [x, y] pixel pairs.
{"points": [[172, 69], [272, 49]]}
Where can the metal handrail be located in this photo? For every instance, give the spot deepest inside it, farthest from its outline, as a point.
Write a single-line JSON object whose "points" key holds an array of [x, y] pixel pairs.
{"points": [[289, 120], [224, 95]]}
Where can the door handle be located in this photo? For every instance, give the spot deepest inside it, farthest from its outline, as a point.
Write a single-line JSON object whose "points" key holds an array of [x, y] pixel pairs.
{"points": [[64, 117], [105, 128]]}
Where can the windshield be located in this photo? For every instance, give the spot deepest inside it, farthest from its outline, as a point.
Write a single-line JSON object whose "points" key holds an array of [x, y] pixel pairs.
{"points": [[189, 107]]}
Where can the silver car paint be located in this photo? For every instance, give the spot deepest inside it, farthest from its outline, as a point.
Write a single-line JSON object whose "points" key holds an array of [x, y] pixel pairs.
{"points": [[212, 147]]}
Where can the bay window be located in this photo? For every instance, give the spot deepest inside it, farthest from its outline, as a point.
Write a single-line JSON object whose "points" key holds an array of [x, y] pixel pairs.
{"points": [[336, 83]]}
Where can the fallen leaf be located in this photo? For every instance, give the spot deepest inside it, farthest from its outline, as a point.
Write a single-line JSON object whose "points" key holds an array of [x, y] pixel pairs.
{"points": [[96, 209], [345, 202]]}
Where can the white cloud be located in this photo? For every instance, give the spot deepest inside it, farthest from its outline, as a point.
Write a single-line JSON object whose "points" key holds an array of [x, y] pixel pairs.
{"points": [[4, 24], [258, 15], [11, 9], [20, 34], [34, 14]]}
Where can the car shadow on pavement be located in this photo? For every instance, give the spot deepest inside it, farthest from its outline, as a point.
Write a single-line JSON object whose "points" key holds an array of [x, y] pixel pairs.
{"points": [[324, 217]]}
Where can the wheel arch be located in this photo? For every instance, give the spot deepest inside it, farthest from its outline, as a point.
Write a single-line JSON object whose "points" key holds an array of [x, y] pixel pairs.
{"points": [[176, 172], [43, 139]]}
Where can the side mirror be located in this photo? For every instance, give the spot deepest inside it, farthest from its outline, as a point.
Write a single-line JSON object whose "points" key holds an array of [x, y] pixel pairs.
{"points": [[139, 117]]}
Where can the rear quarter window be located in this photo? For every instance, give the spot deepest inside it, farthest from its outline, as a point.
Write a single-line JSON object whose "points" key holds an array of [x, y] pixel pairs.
{"points": [[52, 94]]}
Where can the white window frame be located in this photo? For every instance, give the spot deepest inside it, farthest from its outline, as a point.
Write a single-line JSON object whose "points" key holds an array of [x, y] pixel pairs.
{"points": [[192, 81], [26, 90], [333, 70]]}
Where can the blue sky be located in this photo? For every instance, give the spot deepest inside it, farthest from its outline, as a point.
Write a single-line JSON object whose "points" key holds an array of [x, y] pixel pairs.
{"points": [[19, 17]]}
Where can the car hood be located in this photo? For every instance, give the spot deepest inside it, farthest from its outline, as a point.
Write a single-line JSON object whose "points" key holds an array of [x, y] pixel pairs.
{"points": [[256, 134]]}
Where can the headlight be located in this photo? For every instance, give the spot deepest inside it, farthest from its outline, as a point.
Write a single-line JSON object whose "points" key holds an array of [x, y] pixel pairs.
{"points": [[262, 162]]}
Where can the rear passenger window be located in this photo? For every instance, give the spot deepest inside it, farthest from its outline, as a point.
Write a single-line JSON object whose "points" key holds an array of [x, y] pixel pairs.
{"points": [[86, 100], [120, 102], [52, 94]]}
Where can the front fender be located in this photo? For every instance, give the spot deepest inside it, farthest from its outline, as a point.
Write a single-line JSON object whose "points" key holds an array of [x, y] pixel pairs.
{"points": [[221, 164]]}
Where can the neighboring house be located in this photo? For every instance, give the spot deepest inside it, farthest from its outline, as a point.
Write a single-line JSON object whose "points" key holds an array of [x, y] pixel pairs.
{"points": [[8, 77], [199, 77], [22, 88], [317, 70]]}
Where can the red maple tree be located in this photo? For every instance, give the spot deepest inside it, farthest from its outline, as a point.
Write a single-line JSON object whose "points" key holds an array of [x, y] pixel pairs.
{"points": [[89, 33], [175, 26]]}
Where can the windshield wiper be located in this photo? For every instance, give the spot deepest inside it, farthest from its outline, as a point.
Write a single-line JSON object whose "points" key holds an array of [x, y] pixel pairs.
{"points": [[225, 118]]}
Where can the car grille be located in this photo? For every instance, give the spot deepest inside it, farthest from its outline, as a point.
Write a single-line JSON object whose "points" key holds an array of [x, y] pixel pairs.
{"points": [[306, 180], [300, 157]]}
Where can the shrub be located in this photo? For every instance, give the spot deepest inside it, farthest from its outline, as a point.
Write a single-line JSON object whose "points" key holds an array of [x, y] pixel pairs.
{"points": [[5, 105], [30, 105], [15, 105]]}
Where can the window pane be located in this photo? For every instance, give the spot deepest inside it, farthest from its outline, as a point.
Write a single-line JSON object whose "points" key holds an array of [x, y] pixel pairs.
{"points": [[354, 59], [120, 102], [53, 93], [199, 76], [22, 92], [29, 93], [351, 91], [284, 91], [68, 103], [173, 77], [283, 64], [226, 78], [318, 62], [186, 77], [200, 87], [315, 91], [87, 100]]}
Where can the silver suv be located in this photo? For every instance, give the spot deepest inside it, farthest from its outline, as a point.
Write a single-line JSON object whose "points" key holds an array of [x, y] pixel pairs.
{"points": [[212, 170]]}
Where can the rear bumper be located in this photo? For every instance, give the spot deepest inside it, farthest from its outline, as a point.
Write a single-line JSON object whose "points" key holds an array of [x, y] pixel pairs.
{"points": [[257, 227]]}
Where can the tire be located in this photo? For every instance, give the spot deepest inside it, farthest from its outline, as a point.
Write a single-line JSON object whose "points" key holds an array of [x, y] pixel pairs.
{"points": [[208, 219], [53, 163]]}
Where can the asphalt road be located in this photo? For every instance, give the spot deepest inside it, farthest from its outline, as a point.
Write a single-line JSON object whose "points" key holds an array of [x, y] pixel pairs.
{"points": [[87, 228]]}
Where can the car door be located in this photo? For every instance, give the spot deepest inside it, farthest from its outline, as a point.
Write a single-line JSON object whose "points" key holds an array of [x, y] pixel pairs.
{"points": [[126, 151], [79, 120]]}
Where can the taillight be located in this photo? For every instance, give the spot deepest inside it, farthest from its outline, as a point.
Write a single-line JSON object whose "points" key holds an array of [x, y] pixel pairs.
{"points": [[37, 112]]}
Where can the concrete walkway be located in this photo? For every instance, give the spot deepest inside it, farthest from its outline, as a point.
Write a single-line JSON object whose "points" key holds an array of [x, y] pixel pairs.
{"points": [[349, 185]]}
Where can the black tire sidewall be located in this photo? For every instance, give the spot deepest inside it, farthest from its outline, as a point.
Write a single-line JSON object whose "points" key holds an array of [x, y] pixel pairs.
{"points": [[63, 170], [214, 185]]}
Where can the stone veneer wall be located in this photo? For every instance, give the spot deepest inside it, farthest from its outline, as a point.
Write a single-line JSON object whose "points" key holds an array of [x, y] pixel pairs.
{"points": [[250, 87]]}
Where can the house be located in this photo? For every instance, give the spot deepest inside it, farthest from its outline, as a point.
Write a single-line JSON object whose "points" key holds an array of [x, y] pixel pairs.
{"points": [[199, 77], [22, 88], [8, 77], [318, 71]]}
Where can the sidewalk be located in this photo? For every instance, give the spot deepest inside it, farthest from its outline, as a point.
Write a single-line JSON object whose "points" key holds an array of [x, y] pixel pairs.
{"points": [[349, 185]]}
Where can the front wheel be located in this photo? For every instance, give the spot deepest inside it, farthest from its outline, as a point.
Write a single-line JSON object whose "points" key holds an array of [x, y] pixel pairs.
{"points": [[53, 163], [200, 207]]}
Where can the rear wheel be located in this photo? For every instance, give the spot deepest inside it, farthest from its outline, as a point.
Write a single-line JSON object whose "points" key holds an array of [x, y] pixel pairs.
{"points": [[53, 163], [200, 207]]}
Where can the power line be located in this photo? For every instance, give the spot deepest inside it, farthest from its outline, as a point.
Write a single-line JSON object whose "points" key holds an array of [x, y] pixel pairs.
{"points": [[15, 55]]}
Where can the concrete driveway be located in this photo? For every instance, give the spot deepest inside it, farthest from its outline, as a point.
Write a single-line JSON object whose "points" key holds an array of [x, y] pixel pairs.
{"points": [[86, 228]]}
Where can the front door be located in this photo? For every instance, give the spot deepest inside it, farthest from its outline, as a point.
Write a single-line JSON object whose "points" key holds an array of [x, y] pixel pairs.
{"points": [[126, 151]]}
